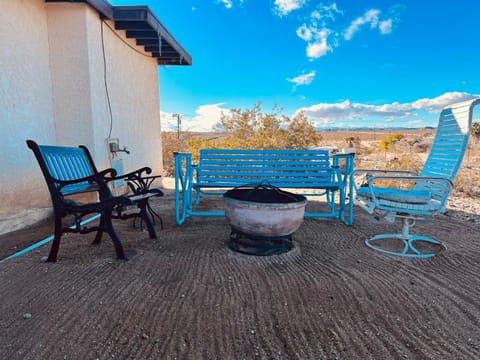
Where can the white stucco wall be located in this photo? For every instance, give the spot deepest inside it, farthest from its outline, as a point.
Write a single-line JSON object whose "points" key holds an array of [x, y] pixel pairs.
{"points": [[26, 110], [53, 91], [81, 104], [134, 99], [68, 50]]}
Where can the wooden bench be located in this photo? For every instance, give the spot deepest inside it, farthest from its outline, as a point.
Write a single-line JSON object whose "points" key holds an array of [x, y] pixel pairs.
{"points": [[287, 169], [71, 171]]}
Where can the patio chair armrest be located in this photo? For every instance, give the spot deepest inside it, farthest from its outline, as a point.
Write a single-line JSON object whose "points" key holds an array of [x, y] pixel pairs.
{"points": [[411, 178], [412, 196], [385, 171]]}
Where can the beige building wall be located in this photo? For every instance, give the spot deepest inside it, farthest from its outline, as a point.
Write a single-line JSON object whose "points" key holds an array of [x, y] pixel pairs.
{"points": [[53, 91], [26, 110], [81, 104], [68, 54], [134, 98]]}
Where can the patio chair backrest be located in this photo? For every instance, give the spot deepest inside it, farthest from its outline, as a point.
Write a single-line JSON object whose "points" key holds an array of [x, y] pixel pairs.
{"points": [[448, 148], [64, 163]]}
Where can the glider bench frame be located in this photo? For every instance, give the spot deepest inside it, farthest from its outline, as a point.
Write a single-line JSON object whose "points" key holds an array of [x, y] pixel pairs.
{"points": [[286, 169]]}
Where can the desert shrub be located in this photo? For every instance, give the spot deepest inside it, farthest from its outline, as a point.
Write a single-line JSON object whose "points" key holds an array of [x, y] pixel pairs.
{"points": [[421, 147], [404, 162], [254, 129], [367, 151], [476, 131], [171, 142], [468, 181], [247, 129], [387, 142]]}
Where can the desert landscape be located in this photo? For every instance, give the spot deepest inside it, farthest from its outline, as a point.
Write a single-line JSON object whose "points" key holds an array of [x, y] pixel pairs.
{"points": [[188, 296]]}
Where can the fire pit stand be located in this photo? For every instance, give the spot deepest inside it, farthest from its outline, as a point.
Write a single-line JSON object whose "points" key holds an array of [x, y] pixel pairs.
{"points": [[259, 245], [263, 218]]}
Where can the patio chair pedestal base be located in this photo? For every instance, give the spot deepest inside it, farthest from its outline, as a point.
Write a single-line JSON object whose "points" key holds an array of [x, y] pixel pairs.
{"points": [[409, 249]]}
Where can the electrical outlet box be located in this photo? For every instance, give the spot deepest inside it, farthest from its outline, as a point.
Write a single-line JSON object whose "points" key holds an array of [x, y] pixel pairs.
{"points": [[113, 145]]}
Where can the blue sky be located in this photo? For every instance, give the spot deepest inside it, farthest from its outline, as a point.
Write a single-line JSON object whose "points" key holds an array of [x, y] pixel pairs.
{"points": [[369, 63]]}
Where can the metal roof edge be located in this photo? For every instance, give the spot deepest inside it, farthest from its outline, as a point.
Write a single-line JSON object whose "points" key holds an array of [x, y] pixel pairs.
{"points": [[114, 13]]}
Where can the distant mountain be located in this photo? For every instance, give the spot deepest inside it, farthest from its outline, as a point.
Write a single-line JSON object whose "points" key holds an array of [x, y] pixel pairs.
{"points": [[399, 128]]}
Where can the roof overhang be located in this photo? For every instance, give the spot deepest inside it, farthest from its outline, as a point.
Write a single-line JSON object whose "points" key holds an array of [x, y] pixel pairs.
{"points": [[141, 24]]}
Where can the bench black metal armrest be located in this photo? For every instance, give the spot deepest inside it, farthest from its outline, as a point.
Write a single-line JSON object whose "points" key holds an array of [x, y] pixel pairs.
{"points": [[100, 179], [136, 174], [139, 183]]}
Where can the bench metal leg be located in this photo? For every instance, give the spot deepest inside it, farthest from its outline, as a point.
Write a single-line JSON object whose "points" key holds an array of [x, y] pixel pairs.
{"points": [[52, 256], [113, 235], [143, 206], [98, 237]]}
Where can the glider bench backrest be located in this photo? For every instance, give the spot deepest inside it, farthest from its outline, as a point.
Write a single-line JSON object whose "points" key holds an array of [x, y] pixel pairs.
{"points": [[302, 169]]}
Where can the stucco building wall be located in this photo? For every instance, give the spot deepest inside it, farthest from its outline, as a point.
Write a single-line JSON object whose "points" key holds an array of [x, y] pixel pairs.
{"points": [[26, 110], [53, 91], [81, 103]]}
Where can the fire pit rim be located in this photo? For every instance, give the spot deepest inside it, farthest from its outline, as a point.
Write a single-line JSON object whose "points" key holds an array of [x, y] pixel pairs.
{"points": [[262, 187]]}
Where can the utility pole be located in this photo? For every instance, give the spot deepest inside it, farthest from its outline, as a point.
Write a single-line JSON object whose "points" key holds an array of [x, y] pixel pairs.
{"points": [[179, 122]]}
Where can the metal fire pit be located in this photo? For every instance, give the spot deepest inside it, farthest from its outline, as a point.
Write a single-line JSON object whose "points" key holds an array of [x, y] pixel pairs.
{"points": [[263, 219]]}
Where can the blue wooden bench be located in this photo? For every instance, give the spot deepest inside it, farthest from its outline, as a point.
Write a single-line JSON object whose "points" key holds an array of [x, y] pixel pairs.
{"points": [[71, 171], [218, 170]]}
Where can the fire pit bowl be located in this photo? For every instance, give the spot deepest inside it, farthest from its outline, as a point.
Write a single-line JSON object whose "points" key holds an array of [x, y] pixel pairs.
{"points": [[265, 216]]}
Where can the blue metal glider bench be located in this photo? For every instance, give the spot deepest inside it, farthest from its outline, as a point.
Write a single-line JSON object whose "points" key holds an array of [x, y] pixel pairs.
{"points": [[219, 169], [71, 171], [429, 190]]}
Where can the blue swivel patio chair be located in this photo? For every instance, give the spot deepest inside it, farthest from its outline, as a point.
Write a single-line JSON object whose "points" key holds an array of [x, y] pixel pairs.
{"points": [[428, 191]]}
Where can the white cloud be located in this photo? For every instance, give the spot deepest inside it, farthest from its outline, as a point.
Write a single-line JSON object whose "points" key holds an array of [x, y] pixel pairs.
{"points": [[438, 103], [167, 121], [304, 79], [206, 116], [342, 115], [284, 7], [325, 12], [370, 17], [316, 31], [228, 3], [304, 32], [321, 28], [318, 48], [325, 114], [385, 26], [317, 44]]}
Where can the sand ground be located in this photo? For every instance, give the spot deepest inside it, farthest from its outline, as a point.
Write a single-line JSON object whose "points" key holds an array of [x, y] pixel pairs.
{"points": [[187, 296]]}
